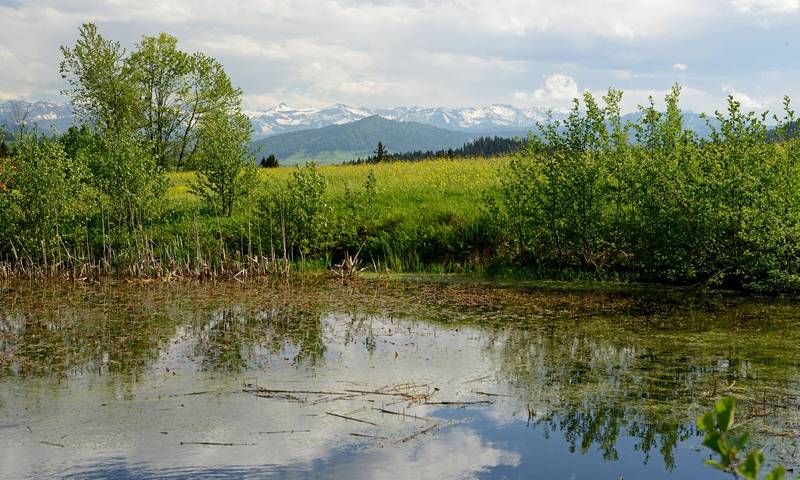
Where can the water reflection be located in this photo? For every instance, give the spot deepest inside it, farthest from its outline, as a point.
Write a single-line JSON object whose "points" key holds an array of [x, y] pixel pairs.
{"points": [[112, 378]]}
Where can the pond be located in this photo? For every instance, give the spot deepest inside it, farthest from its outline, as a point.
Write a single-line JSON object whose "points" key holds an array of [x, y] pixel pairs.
{"points": [[419, 378]]}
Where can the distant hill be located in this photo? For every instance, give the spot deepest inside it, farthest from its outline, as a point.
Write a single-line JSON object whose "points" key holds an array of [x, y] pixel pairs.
{"points": [[337, 143]]}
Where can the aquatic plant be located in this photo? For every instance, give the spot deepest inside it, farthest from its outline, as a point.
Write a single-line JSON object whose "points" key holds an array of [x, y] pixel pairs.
{"points": [[721, 438]]}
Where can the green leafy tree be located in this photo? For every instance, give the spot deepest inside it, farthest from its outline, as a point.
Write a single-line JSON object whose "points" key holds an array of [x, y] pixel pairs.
{"points": [[225, 166], [100, 85], [157, 90], [211, 93], [77, 139], [126, 176], [177, 91], [41, 196], [160, 72]]}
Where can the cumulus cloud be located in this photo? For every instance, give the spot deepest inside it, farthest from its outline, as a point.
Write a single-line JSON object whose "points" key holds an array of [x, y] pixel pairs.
{"points": [[681, 67], [557, 89], [748, 102]]}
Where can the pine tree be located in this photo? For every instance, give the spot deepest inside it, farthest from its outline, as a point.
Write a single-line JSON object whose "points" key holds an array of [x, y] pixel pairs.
{"points": [[269, 162], [380, 153]]}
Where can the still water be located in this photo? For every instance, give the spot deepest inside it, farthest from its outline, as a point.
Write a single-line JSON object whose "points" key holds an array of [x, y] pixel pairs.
{"points": [[385, 379]]}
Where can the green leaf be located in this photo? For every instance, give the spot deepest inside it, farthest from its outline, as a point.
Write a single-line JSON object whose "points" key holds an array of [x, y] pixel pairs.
{"points": [[713, 441], [751, 465], [716, 465], [739, 442], [778, 474], [706, 423], [725, 408]]}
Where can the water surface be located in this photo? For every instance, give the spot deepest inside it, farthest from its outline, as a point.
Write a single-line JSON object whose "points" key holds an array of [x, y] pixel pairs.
{"points": [[383, 379]]}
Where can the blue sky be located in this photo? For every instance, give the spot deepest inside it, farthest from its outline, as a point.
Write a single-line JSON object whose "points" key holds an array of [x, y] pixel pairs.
{"points": [[438, 52]]}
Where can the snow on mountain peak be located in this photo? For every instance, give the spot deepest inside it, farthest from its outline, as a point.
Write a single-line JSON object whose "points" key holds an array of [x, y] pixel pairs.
{"points": [[472, 119]]}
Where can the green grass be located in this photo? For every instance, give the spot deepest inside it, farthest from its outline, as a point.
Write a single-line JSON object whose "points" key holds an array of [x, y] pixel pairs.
{"points": [[425, 216], [405, 191], [327, 158]]}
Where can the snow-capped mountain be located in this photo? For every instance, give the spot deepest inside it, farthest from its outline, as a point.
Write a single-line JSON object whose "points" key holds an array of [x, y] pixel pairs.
{"points": [[42, 114], [283, 118], [494, 118]]}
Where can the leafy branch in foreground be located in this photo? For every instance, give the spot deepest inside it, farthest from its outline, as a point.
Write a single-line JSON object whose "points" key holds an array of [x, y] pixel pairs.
{"points": [[720, 438]]}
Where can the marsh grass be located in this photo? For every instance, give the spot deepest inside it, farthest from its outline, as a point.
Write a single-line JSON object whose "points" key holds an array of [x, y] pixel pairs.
{"points": [[417, 220]]}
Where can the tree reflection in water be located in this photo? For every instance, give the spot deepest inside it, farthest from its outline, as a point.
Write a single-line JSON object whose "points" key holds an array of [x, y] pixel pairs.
{"points": [[593, 366]]}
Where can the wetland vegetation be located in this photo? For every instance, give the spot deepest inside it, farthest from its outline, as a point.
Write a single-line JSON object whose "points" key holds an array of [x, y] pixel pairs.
{"points": [[159, 182]]}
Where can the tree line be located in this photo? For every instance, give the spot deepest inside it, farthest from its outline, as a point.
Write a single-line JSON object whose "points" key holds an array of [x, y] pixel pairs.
{"points": [[481, 147]]}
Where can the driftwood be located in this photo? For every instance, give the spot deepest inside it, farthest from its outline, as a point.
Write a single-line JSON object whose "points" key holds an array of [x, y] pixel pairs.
{"points": [[51, 444]]}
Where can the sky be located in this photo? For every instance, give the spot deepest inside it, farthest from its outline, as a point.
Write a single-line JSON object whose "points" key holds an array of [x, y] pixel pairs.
{"points": [[448, 53]]}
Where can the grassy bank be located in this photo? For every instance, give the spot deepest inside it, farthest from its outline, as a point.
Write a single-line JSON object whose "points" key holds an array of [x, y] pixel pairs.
{"points": [[420, 217]]}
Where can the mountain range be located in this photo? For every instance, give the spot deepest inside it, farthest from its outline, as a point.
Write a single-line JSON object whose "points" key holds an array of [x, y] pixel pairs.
{"points": [[494, 118], [41, 114], [339, 132], [283, 118], [337, 143]]}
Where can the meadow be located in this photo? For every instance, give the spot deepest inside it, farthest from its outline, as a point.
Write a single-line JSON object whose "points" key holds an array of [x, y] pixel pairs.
{"points": [[411, 222], [405, 191]]}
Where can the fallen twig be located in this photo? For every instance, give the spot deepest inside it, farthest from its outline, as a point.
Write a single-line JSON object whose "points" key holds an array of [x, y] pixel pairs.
{"points": [[477, 402], [351, 418], [281, 431], [402, 414], [218, 444], [368, 436], [52, 444], [415, 435]]}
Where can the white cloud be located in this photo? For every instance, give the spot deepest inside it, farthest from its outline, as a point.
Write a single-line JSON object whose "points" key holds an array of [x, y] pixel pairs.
{"points": [[365, 87], [681, 67], [558, 89], [466, 454], [766, 6], [314, 52], [748, 102]]}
